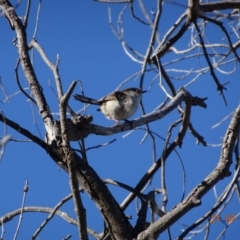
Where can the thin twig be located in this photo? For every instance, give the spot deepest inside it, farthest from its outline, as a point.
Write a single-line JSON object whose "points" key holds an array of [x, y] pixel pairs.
{"points": [[134, 16], [101, 145], [18, 82], [23, 131], [162, 49], [172, 29], [3, 88], [207, 229], [166, 78], [5, 139], [25, 21], [37, 19], [148, 53], [51, 215], [148, 175], [53, 67], [163, 159], [220, 87], [9, 216], [62, 109], [197, 135], [25, 190], [220, 24], [67, 237]]}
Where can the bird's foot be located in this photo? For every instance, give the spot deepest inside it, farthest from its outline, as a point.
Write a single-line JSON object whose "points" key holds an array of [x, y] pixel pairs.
{"points": [[118, 123], [130, 122]]}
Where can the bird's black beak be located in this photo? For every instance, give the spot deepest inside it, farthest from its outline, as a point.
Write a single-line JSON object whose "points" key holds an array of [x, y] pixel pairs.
{"points": [[143, 92]]}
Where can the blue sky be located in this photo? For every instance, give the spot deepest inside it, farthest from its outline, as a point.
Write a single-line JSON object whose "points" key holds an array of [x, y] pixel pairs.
{"points": [[89, 51]]}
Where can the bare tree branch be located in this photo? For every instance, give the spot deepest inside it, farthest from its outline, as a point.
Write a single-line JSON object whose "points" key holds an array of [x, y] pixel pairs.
{"points": [[194, 197], [220, 87], [219, 202], [9, 216], [213, 6], [177, 142], [23, 131], [26, 63], [25, 190]]}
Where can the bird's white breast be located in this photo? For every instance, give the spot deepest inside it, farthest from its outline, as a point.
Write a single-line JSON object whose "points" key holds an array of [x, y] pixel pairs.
{"points": [[121, 110]]}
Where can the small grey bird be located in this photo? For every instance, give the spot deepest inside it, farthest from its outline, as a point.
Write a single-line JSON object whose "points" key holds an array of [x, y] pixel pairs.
{"points": [[119, 105]]}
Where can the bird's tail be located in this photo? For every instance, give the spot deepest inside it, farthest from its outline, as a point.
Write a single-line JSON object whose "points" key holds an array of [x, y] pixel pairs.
{"points": [[84, 99]]}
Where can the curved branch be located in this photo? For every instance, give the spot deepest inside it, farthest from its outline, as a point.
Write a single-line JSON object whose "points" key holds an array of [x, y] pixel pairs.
{"points": [[29, 72], [83, 131], [51, 215], [218, 203], [194, 198], [162, 49], [23, 131], [210, 7], [18, 82], [118, 225], [54, 68], [220, 87], [177, 142], [9, 216], [220, 24]]}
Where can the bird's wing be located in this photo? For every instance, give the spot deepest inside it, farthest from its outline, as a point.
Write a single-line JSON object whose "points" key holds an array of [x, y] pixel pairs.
{"points": [[120, 95]]}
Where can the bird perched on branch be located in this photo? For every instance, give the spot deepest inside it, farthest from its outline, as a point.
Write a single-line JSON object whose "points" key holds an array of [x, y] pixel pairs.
{"points": [[119, 105]]}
